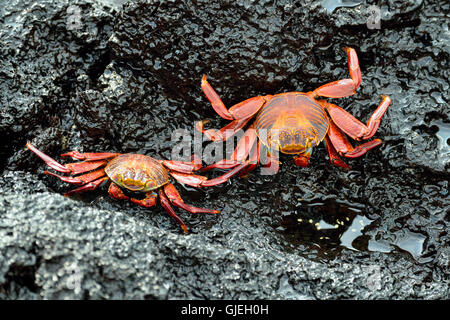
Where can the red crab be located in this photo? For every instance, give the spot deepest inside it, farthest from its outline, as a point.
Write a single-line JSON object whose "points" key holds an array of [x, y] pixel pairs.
{"points": [[135, 173], [294, 123]]}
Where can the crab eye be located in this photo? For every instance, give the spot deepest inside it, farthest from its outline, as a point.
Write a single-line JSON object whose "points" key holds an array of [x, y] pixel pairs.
{"points": [[150, 185]]}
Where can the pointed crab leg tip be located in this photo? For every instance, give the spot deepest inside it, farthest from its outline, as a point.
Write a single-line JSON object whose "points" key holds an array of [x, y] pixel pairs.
{"points": [[385, 97], [376, 143], [204, 77], [345, 167], [348, 49]]}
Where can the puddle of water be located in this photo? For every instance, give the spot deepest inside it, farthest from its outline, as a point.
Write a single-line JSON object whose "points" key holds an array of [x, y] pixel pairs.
{"points": [[331, 5], [411, 242], [327, 226], [443, 135], [354, 231], [379, 246]]}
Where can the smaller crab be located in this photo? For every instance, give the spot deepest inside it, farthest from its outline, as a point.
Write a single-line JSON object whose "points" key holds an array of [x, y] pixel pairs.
{"points": [[134, 173]]}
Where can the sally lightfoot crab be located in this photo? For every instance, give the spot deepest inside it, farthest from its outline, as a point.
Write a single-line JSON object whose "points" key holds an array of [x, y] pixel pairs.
{"points": [[136, 173], [294, 123]]}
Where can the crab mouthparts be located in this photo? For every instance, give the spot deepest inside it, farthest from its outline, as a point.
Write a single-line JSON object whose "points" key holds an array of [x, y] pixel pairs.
{"points": [[292, 149], [133, 185]]}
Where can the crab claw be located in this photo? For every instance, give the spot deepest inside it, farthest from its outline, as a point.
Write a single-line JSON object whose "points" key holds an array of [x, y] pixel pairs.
{"points": [[48, 160]]}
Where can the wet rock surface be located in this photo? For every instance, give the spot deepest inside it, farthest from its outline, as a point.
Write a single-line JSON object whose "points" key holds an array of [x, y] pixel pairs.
{"points": [[99, 76]]}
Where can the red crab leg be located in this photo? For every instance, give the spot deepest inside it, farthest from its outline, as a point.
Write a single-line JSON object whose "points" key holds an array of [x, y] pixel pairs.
{"points": [[225, 177], [201, 181], [222, 164], [272, 164], [85, 178], [182, 166], [115, 192], [148, 201], [242, 110], [363, 148], [48, 160], [244, 145], [166, 205], [344, 147], [193, 180], [253, 160], [240, 154], [345, 87], [302, 160], [85, 166], [175, 198], [88, 187], [90, 156], [338, 139], [375, 118], [352, 126], [72, 168], [333, 155], [222, 134]]}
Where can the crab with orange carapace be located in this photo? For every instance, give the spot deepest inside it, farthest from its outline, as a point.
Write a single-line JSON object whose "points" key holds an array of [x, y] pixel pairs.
{"points": [[136, 173], [294, 123]]}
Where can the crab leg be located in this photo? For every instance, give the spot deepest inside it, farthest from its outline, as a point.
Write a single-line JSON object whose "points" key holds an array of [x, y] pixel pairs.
{"points": [[338, 139], [48, 160], [345, 87], [201, 181], [225, 177], [90, 156], [244, 145], [363, 148], [352, 126], [88, 187], [175, 198], [222, 134], [242, 110], [253, 160], [166, 205], [183, 166], [193, 180], [333, 155], [115, 192], [240, 154], [302, 160], [374, 121], [71, 168], [222, 164], [148, 201], [344, 147], [85, 178], [271, 163], [85, 166]]}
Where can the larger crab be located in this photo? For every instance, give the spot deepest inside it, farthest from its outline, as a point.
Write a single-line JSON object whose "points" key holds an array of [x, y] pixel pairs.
{"points": [[135, 173], [294, 123]]}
